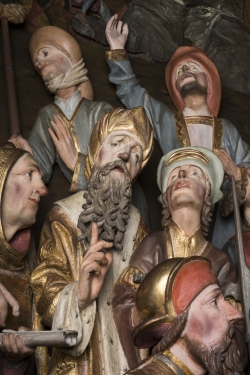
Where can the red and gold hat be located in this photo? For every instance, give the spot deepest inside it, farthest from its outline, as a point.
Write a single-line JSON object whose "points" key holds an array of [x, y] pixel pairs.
{"points": [[193, 54], [167, 290]]}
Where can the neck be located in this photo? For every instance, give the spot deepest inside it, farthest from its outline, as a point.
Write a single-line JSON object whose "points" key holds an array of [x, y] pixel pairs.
{"points": [[195, 102], [66, 93], [187, 219], [181, 352], [9, 231]]}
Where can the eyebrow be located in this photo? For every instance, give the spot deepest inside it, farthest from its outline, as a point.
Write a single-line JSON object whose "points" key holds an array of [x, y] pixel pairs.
{"points": [[34, 165], [215, 293]]}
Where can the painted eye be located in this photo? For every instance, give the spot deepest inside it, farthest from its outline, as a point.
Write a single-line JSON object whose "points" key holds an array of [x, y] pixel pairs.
{"points": [[114, 144], [213, 302], [45, 54]]}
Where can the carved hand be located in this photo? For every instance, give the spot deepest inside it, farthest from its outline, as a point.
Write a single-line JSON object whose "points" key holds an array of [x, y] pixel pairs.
{"points": [[63, 142], [13, 348], [93, 269], [230, 168], [5, 299], [20, 142], [116, 33]]}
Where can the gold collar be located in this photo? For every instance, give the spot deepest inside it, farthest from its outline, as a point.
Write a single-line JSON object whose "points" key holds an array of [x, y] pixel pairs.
{"points": [[177, 361], [182, 131], [179, 244]]}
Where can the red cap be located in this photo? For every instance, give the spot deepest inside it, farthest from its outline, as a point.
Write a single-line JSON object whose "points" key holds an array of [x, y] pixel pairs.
{"points": [[194, 54]]}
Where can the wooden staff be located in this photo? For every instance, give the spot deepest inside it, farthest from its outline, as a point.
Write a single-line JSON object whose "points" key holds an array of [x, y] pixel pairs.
{"points": [[14, 13], [244, 272]]}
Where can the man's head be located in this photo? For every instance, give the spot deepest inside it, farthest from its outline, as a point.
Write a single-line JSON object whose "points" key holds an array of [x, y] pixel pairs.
{"points": [[190, 72], [120, 146], [21, 189], [181, 302], [58, 59], [190, 177]]}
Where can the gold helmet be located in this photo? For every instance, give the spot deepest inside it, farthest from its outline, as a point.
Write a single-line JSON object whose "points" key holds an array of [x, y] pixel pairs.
{"points": [[167, 290]]}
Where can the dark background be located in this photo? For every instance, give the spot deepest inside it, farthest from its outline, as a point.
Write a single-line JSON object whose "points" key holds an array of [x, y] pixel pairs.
{"points": [[32, 96]]}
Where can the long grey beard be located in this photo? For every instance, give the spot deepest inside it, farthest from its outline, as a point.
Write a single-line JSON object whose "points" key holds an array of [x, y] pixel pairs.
{"points": [[74, 76], [222, 360], [107, 203]]}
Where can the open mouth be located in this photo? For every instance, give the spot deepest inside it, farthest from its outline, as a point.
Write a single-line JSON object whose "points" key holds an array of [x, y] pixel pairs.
{"points": [[186, 75], [181, 185], [118, 169]]}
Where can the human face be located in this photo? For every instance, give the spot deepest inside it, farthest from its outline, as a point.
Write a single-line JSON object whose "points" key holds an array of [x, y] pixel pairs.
{"points": [[22, 192], [209, 317], [186, 186], [51, 62], [188, 72], [124, 146]]}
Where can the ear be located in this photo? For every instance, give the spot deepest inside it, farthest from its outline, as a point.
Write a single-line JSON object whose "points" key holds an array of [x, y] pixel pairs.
{"points": [[248, 172]]}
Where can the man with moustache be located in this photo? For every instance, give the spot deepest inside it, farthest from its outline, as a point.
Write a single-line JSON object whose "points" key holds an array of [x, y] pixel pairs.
{"points": [[186, 320], [193, 83], [189, 179], [74, 281], [21, 187]]}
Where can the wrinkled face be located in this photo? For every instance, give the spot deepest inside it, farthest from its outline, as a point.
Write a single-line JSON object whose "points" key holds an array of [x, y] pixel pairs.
{"points": [[186, 186], [22, 192], [51, 62], [123, 146], [209, 317], [190, 72]]}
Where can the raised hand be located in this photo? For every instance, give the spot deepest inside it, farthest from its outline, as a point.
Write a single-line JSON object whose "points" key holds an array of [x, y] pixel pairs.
{"points": [[5, 299], [93, 269], [20, 142], [13, 348], [116, 33], [230, 168], [63, 142]]}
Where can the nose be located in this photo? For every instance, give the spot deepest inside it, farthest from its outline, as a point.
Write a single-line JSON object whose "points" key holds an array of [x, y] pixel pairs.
{"points": [[182, 174], [231, 312], [185, 67], [41, 189], [37, 63], [124, 156]]}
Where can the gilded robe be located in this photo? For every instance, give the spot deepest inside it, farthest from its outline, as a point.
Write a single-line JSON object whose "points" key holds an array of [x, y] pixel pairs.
{"points": [[164, 363], [98, 350]]}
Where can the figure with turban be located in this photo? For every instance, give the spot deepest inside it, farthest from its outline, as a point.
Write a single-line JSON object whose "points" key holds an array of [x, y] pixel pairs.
{"points": [[193, 83], [86, 243], [189, 179], [186, 320]]}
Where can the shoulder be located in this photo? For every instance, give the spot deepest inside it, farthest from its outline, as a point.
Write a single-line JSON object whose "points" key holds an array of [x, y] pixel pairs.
{"points": [[70, 206]]}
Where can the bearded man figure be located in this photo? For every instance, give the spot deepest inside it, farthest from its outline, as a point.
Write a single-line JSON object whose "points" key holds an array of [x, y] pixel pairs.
{"points": [[186, 320], [193, 83], [189, 179], [75, 280]]}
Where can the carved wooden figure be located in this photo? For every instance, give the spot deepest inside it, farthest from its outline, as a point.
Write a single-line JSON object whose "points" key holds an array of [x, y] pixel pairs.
{"points": [[74, 281], [194, 86], [186, 320], [189, 179], [21, 189]]}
